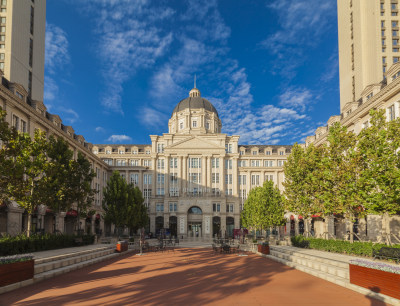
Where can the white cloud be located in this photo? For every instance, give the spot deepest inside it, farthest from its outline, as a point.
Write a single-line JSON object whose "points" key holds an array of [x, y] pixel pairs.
{"points": [[69, 114], [99, 129], [332, 68], [151, 117], [50, 89], [129, 38], [297, 98], [56, 48], [301, 28], [119, 138]]}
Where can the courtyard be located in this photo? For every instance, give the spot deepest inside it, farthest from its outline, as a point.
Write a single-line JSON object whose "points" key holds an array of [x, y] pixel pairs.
{"points": [[188, 276]]}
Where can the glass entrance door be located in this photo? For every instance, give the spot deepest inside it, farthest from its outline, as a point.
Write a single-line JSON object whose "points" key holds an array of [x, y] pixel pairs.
{"points": [[194, 229]]}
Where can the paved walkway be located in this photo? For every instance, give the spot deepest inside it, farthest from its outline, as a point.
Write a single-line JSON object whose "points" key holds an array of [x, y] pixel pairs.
{"points": [[186, 277]]}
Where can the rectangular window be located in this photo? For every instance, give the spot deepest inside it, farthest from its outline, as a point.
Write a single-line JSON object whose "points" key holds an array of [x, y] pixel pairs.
{"points": [[383, 42], [147, 193], [382, 24], [228, 179], [173, 206], [384, 60], [134, 178], [194, 123], [242, 179], [160, 164], [395, 59], [215, 162], [241, 163], [255, 179], [254, 152], [194, 163], [269, 177], [181, 125], [383, 33], [15, 122], [228, 191], [160, 148], [215, 178], [395, 24], [255, 163], [160, 178], [228, 164], [147, 163], [228, 148], [394, 6], [216, 207], [215, 191], [395, 42], [173, 177], [267, 152], [395, 33], [160, 207], [160, 191], [281, 153], [147, 179], [229, 208], [195, 178], [173, 163], [280, 163], [391, 114]]}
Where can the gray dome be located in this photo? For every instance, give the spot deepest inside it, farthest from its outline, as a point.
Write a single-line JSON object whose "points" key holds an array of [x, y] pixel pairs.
{"points": [[193, 103]]}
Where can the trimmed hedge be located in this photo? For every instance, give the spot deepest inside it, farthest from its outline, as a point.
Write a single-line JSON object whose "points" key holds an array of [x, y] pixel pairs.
{"points": [[338, 246], [22, 244]]}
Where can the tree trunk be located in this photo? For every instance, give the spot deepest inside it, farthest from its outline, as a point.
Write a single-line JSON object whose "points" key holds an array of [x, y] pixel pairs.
{"points": [[387, 228], [351, 229], [28, 232]]}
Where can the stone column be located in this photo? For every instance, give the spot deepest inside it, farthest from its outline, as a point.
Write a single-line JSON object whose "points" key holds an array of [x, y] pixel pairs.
{"points": [[60, 224], [14, 219], [203, 174], [222, 175], [209, 179], [166, 176], [235, 192], [330, 226]]}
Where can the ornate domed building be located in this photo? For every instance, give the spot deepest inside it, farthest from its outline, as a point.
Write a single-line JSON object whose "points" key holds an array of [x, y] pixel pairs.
{"points": [[194, 178]]}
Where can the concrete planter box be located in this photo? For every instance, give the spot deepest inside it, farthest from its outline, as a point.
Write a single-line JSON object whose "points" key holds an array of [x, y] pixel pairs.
{"points": [[16, 272], [263, 249], [122, 246], [376, 280]]}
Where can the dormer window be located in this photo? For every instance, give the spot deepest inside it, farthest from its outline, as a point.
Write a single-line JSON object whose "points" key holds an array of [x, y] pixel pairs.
{"points": [[121, 152], [281, 153], [370, 96], [254, 152], [267, 152], [19, 95]]}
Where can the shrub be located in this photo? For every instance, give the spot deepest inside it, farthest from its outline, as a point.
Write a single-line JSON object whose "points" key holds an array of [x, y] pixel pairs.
{"points": [[22, 244], [338, 246]]}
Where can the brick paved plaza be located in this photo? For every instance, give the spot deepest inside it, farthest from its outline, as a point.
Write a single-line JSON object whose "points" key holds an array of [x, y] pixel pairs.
{"points": [[185, 277]]}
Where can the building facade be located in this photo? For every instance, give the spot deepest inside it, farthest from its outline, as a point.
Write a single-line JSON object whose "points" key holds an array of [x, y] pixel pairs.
{"points": [[355, 116], [27, 115], [22, 43], [368, 44], [194, 178]]}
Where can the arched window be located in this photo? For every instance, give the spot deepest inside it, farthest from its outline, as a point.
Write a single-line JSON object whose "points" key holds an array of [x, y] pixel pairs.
{"points": [[195, 210]]}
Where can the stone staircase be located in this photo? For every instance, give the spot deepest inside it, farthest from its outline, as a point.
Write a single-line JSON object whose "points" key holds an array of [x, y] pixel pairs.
{"points": [[50, 266], [333, 268], [56, 265], [328, 266]]}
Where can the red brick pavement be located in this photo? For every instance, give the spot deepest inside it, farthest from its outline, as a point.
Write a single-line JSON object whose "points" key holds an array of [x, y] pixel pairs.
{"points": [[186, 277]]}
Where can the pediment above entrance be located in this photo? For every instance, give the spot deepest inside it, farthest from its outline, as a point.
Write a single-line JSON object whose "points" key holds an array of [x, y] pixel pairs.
{"points": [[195, 143]]}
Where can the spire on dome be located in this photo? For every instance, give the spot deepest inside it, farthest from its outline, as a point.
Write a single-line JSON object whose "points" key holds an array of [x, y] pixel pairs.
{"points": [[194, 93]]}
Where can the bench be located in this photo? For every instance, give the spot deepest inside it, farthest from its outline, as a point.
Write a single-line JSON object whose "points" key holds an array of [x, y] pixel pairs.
{"points": [[78, 241], [387, 253]]}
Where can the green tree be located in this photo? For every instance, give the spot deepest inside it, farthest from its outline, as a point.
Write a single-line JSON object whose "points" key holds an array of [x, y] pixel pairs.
{"points": [[378, 147], [137, 216], [116, 197], [61, 174], [263, 207], [81, 185], [24, 162], [340, 169]]}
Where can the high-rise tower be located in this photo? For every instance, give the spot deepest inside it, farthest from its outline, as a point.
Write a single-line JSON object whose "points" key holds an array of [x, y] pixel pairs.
{"points": [[368, 44], [22, 43]]}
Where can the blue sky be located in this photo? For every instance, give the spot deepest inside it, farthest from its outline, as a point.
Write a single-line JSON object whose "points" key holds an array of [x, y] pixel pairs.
{"points": [[115, 69]]}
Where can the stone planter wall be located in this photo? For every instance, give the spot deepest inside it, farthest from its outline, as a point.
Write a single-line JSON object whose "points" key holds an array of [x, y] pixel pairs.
{"points": [[263, 249], [376, 280], [16, 272]]}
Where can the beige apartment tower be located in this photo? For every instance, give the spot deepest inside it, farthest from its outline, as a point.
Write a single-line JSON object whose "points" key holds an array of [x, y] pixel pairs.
{"points": [[22, 43], [368, 44]]}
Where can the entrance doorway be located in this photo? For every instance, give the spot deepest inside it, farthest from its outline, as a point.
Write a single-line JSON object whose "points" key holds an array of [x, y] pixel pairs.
{"points": [[195, 217], [301, 227], [159, 225], [230, 225], [173, 226], [216, 226]]}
